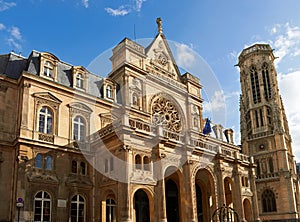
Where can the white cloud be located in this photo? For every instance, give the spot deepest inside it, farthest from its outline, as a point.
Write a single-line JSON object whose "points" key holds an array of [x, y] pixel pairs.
{"points": [[6, 5], [85, 3], [2, 26], [289, 89], [216, 103], [139, 4], [15, 33], [12, 42], [185, 56], [121, 11], [287, 41], [14, 38]]}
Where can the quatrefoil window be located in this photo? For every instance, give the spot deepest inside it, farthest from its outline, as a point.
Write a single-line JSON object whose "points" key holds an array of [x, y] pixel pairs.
{"points": [[166, 115]]}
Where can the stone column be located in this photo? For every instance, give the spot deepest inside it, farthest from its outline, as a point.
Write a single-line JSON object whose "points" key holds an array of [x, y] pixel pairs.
{"points": [[161, 201], [124, 188], [237, 192], [255, 211], [219, 174], [160, 195], [189, 184]]}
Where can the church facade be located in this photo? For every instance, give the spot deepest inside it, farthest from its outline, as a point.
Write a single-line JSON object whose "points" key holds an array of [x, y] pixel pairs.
{"points": [[75, 146]]}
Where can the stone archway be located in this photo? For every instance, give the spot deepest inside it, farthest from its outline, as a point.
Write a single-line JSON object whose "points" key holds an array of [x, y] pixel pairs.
{"points": [[205, 196], [141, 206], [229, 190], [173, 196]]}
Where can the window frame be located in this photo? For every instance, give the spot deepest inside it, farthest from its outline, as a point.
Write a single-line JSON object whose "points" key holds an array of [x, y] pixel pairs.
{"points": [[45, 117], [40, 165], [48, 69], [43, 200], [109, 91], [111, 207], [79, 80], [77, 126], [78, 203], [268, 201], [43, 162]]}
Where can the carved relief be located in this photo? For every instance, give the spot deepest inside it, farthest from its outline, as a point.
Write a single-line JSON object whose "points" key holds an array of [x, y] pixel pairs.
{"points": [[81, 109]]}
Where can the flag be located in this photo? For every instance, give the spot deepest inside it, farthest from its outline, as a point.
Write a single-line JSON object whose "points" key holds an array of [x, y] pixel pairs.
{"points": [[207, 127]]}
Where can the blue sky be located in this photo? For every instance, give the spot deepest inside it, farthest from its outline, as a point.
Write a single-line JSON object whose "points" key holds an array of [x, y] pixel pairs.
{"points": [[77, 31]]}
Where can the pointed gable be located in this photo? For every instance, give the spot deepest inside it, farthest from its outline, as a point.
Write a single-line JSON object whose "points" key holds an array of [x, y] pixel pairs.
{"points": [[47, 97], [160, 57]]}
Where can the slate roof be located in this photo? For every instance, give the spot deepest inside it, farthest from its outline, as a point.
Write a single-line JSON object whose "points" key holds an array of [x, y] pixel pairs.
{"points": [[12, 65]]}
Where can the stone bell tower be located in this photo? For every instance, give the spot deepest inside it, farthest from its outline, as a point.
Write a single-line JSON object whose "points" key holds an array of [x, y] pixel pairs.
{"points": [[265, 135]]}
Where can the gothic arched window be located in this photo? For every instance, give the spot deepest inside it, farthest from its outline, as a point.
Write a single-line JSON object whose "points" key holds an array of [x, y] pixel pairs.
{"points": [[271, 166], [266, 81], [268, 201], [255, 85]]}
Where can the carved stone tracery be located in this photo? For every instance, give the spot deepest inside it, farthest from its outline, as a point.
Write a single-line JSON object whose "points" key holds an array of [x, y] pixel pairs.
{"points": [[165, 114]]}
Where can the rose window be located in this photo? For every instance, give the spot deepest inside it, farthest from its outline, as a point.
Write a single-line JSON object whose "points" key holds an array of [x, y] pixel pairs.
{"points": [[165, 114]]}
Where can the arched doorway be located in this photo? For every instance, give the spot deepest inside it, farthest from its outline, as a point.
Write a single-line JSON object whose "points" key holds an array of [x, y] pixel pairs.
{"points": [[247, 210], [172, 201], [205, 195], [199, 203], [228, 187], [141, 206]]}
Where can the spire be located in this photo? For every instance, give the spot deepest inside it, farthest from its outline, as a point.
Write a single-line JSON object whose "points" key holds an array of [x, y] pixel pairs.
{"points": [[159, 25]]}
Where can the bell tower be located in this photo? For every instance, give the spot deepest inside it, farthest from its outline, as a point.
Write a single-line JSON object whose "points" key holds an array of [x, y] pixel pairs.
{"points": [[265, 135]]}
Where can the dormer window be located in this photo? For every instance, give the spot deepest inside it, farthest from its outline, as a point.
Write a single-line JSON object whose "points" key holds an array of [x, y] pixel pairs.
{"points": [[79, 80], [48, 65], [109, 92], [48, 69]]}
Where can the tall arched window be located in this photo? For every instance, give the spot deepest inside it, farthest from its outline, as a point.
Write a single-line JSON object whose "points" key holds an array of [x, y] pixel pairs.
{"points": [[39, 161], [257, 168], [109, 91], [49, 163], [74, 166], [42, 207], [255, 85], [271, 166], [146, 163], [77, 209], [138, 162], [79, 128], [83, 168], [45, 120], [268, 201], [266, 80], [111, 210]]}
